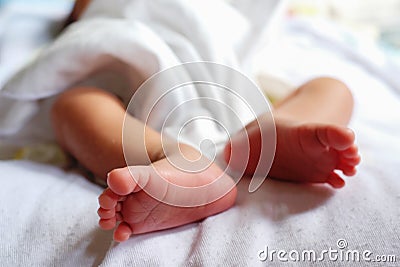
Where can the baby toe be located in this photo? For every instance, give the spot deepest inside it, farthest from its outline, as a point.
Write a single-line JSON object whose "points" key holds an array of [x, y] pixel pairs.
{"points": [[106, 214], [337, 137], [108, 199], [121, 182], [351, 161], [107, 224], [348, 170], [350, 152], [335, 180]]}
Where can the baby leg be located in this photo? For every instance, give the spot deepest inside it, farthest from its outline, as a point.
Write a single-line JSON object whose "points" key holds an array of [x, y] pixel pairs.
{"points": [[88, 123], [322, 100]]}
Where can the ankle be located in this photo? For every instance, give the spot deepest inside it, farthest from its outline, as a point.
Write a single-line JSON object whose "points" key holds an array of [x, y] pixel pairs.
{"points": [[160, 152], [156, 154]]}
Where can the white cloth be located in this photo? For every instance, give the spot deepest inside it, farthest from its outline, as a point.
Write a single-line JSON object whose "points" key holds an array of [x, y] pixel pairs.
{"points": [[119, 44]]}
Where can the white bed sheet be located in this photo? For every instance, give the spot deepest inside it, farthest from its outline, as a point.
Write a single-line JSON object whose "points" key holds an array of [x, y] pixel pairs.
{"points": [[49, 216]]}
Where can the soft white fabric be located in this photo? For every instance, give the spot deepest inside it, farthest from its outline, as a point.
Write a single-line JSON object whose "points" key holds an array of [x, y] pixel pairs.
{"points": [[119, 44], [49, 216]]}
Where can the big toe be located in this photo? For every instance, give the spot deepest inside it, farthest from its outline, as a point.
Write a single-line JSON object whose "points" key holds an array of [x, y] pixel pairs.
{"points": [[121, 181], [337, 137]]}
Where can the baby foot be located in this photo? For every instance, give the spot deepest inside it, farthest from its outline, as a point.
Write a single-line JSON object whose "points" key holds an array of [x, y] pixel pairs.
{"points": [[308, 152], [142, 201]]}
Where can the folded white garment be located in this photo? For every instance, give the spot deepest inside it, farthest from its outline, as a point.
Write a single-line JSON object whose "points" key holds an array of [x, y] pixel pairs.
{"points": [[117, 45]]}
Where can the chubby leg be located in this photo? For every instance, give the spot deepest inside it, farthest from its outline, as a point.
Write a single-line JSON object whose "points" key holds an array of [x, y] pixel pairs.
{"points": [[322, 100], [88, 123], [312, 138]]}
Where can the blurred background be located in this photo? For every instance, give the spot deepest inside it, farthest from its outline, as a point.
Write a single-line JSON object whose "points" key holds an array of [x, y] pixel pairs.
{"points": [[374, 21]]}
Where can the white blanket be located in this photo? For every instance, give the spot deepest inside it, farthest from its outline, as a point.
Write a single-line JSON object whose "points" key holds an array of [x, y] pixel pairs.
{"points": [[118, 45], [49, 215]]}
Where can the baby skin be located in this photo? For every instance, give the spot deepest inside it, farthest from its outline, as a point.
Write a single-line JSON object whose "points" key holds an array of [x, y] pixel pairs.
{"points": [[313, 146], [142, 204]]}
